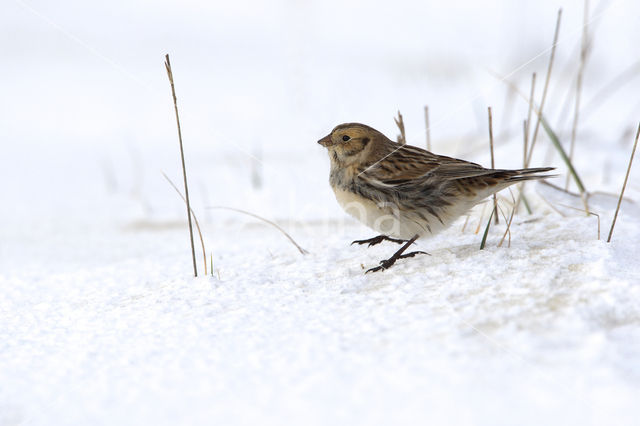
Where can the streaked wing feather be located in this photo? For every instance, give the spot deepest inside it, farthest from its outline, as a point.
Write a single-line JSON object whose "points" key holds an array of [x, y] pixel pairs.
{"points": [[411, 163], [419, 175]]}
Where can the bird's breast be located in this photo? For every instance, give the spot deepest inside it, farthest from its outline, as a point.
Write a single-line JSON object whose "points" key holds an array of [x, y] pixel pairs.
{"points": [[377, 216]]}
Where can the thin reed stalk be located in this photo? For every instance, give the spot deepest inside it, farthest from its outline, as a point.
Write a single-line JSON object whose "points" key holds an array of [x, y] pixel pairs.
{"points": [[402, 137], [624, 185], [493, 164], [167, 65], [584, 50], [195, 219], [428, 126], [527, 127], [546, 87]]}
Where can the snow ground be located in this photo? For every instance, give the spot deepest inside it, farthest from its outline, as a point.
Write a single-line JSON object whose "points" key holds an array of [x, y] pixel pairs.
{"points": [[101, 321], [544, 332]]}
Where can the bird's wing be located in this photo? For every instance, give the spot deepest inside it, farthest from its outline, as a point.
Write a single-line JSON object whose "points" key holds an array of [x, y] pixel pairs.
{"points": [[407, 164]]}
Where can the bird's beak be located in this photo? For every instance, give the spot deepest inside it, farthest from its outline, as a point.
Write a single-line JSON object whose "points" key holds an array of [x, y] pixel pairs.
{"points": [[326, 141]]}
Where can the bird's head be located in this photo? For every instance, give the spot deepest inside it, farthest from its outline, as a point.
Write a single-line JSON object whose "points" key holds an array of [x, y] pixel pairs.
{"points": [[350, 143]]}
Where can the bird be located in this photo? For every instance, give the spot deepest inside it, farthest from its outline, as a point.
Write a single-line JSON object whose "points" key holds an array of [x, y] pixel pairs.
{"points": [[405, 192]]}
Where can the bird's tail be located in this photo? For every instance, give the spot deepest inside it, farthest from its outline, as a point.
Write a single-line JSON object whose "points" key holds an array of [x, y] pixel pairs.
{"points": [[530, 174]]}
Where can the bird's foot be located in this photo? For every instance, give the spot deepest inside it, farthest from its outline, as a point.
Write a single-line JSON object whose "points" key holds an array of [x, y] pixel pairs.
{"points": [[377, 240], [388, 263]]}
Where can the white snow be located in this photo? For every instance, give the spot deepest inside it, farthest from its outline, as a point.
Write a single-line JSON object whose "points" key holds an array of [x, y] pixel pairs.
{"points": [[101, 321]]}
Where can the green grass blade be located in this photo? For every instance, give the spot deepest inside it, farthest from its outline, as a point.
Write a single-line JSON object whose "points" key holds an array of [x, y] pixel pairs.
{"points": [[556, 142], [526, 204], [486, 231]]}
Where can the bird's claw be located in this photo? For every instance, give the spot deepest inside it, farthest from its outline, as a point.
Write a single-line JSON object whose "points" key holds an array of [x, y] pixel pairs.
{"points": [[388, 263], [377, 240], [376, 269], [413, 253]]}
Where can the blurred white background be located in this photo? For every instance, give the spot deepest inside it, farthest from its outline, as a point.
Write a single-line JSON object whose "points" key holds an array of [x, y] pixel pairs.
{"points": [[86, 103]]}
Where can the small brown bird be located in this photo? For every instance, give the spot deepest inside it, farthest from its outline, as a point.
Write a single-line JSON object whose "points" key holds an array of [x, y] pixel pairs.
{"points": [[404, 192]]}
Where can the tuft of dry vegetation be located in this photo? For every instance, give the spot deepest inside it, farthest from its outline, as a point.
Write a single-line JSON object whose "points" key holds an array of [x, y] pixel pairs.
{"points": [[402, 137]]}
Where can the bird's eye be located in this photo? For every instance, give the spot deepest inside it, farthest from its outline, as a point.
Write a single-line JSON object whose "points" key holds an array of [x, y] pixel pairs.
{"points": [[345, 138]]}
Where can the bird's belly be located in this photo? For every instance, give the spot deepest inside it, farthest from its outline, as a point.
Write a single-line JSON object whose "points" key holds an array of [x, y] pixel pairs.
{"points": [[384, 218]]}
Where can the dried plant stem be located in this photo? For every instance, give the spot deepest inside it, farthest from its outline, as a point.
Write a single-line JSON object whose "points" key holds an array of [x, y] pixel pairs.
{"points": [[195, 219], [546, 87], [513, 212], [584, 195], [524, 132], [574, 208], [556, 143], [508, 230], [506, 220], [557, 210], [402, 138], [624, 185], [526, 203], [532, 141], [466, 220], [584, 50], [275, 225], [428, 126], [167, 65], [527, 126], [484, 206], [493, 164]]}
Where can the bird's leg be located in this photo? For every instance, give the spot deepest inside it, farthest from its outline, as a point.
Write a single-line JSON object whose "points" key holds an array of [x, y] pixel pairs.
{"points": [[377, 240], [387, 263]]}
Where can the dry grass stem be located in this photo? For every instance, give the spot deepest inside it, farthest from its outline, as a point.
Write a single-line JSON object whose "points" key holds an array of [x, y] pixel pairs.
{"points": [[484, 206], [167, 65], [508, 221], [589, 212], [508, 230], [402, 138], [558, 188], [493, 163], [428, 126], [527, 126], [624, 185], [584, 50], [275, 225], [552, 206], [466, 220], [572, 194], [546, 87], [532, 140], [195, 219], [525, 131], [556, 143]]}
